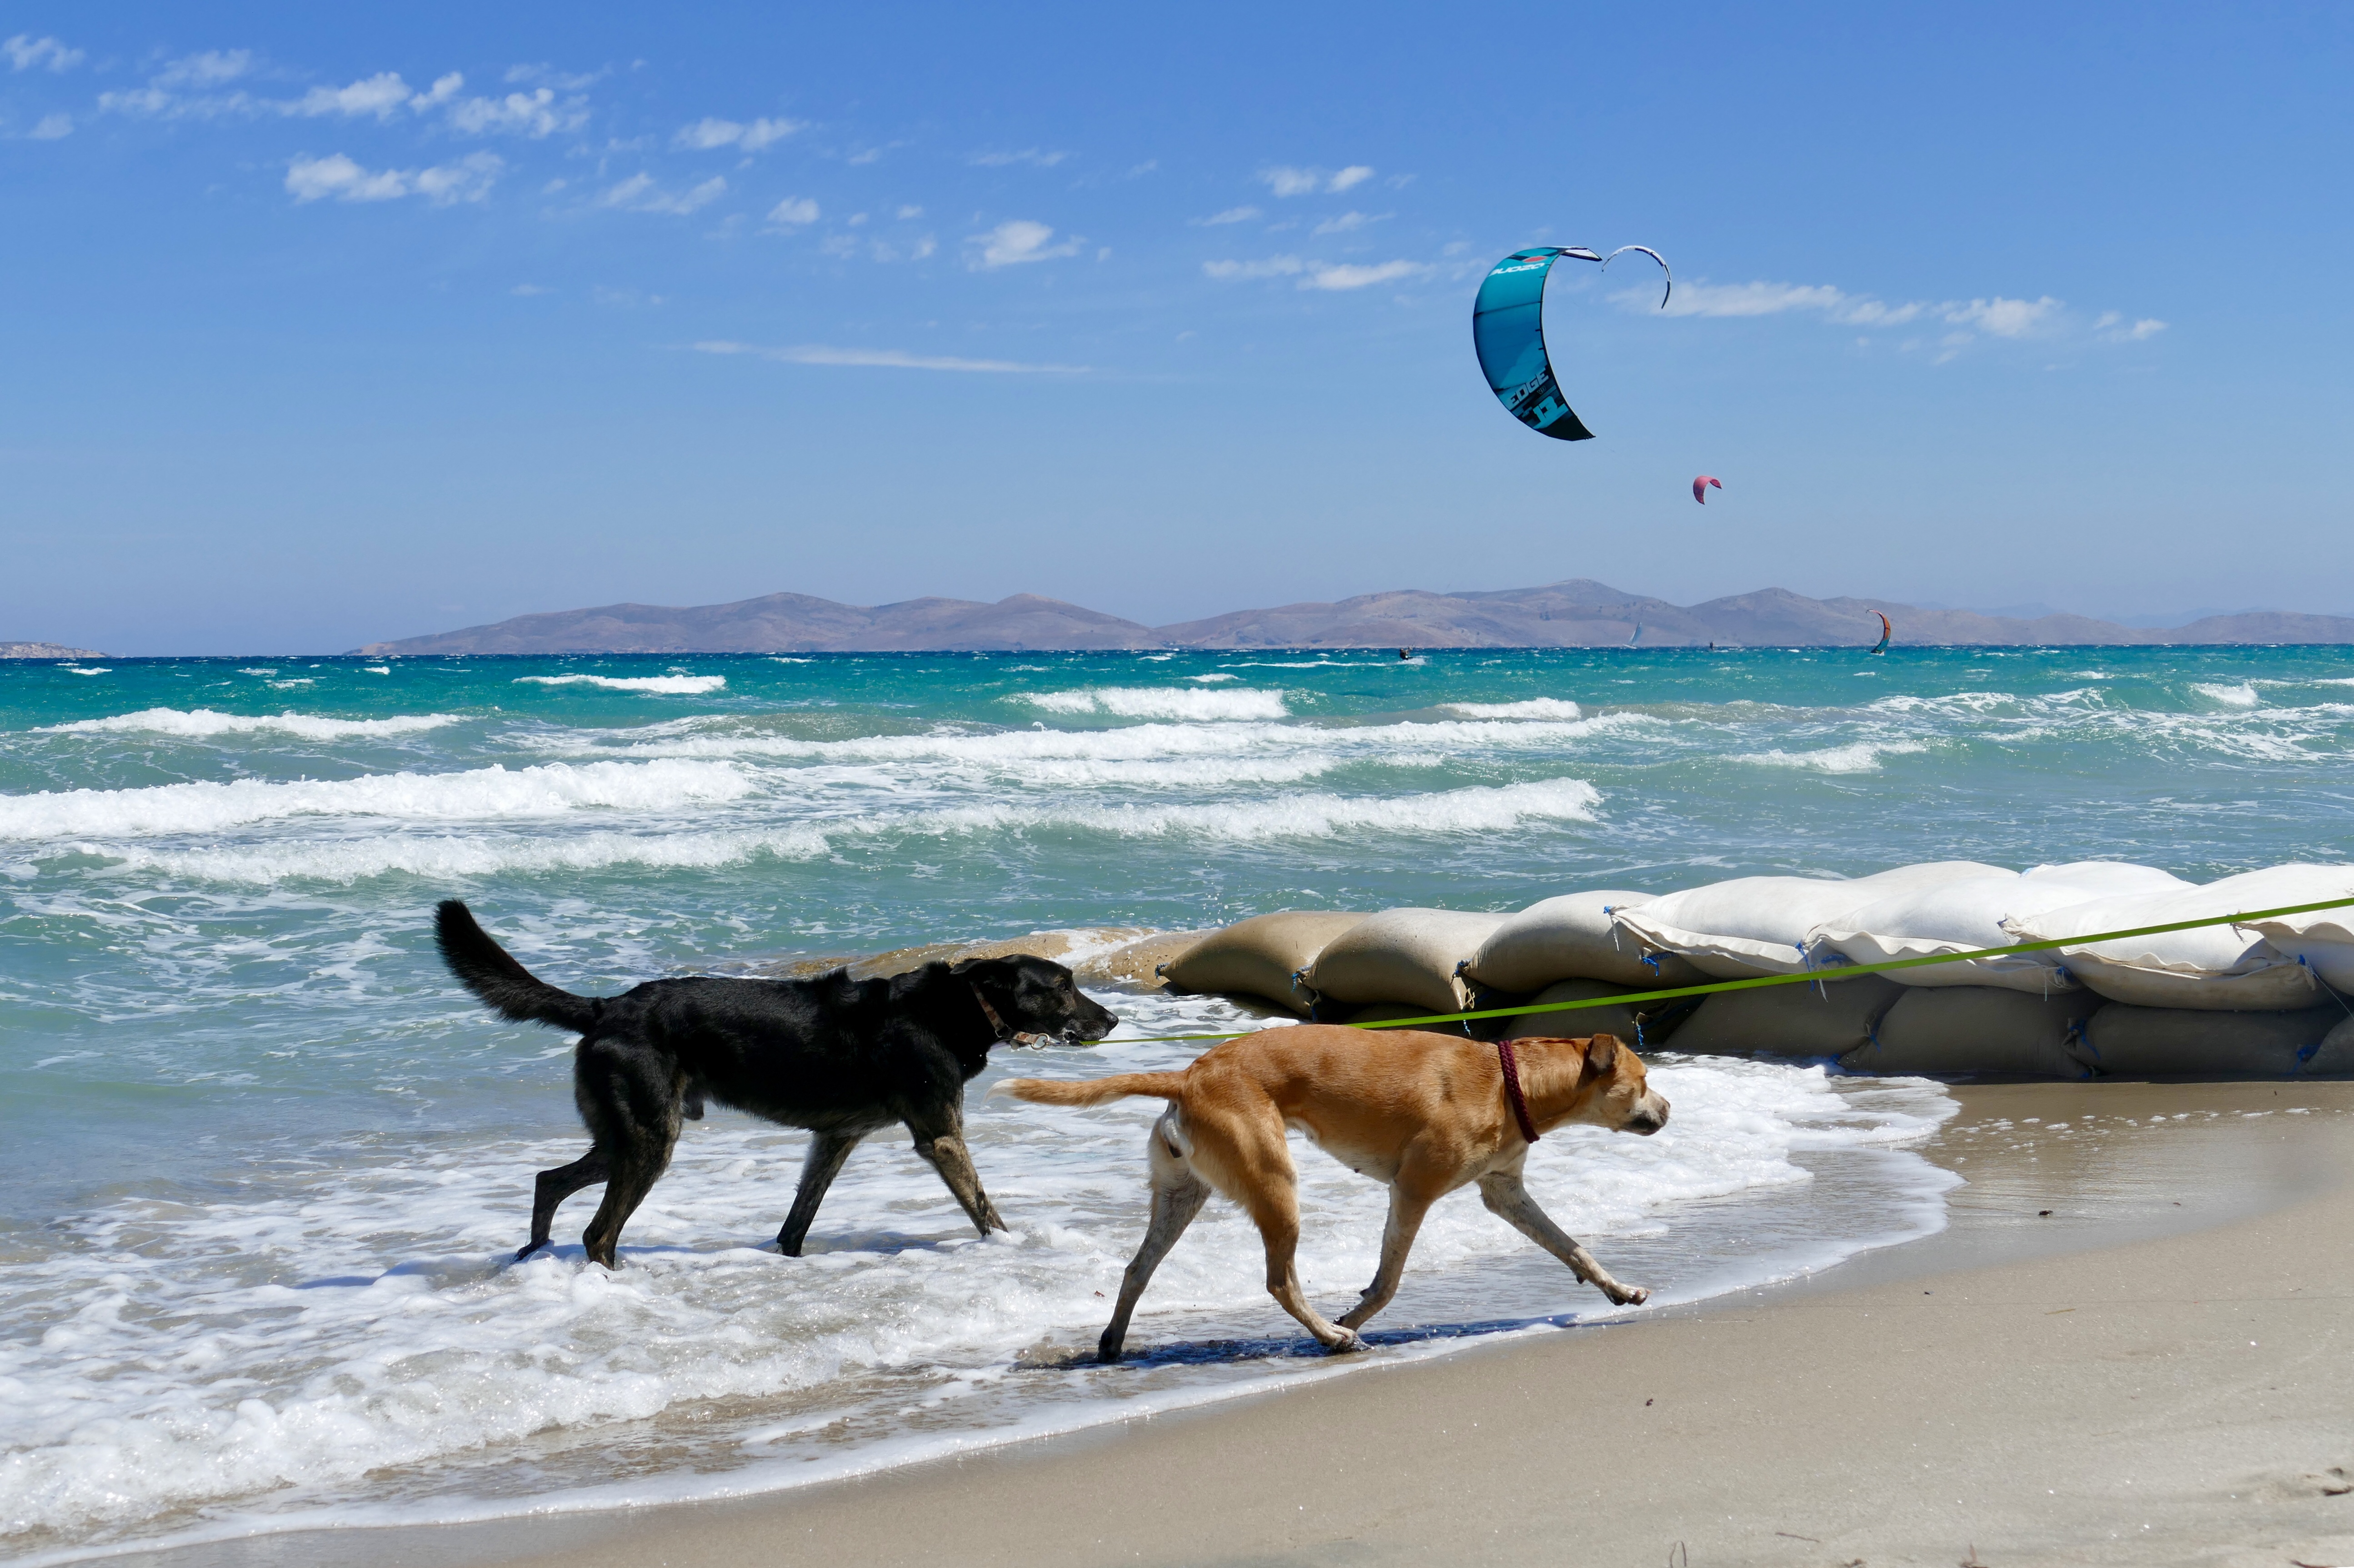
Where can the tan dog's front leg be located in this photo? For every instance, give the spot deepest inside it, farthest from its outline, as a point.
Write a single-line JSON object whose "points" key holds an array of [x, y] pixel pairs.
{"points": [[1510, 1202], [1397, 1239]]}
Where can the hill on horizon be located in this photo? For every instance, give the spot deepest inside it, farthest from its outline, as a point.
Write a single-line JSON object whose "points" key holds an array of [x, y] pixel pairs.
{"points": [[1575, 613]]}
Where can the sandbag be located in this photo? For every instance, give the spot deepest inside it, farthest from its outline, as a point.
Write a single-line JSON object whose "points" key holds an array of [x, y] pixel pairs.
{"points": [[1257, 957], [2323, 940], [2226, 967], [1404, 954], [1967, 915], [1809, 1020], [2128, 1041], [1978, 1029], [2335, 1055], [1620, 1019], [1574, 937], [1759, 925]]}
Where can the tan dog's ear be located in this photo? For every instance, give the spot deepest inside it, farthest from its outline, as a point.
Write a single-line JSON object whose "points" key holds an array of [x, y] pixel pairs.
{"points": [[1602, 1054]]}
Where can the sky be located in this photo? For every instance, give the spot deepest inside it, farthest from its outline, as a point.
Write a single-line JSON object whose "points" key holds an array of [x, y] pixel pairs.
{"points": [[331, 324]]}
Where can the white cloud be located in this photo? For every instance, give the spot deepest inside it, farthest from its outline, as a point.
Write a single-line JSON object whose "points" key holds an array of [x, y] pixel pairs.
{"points": [[534, 114], [1016, 240], [1232, 214], [1354, 277], [210, 69], [911, 212], [707, 133], [52, 126], [793, 209], [1286, 180], [2001, 317], [548, 76], [2111, 325], [468, 179], [1349, 220], [1974, 320], [889, 358], [24, 52], [1030, 156], [378, 95], [639, 194], [1272, 267]]}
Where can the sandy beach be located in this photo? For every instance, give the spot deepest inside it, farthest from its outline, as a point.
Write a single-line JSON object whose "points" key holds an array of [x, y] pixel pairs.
{"points": [[2157, 1370]]}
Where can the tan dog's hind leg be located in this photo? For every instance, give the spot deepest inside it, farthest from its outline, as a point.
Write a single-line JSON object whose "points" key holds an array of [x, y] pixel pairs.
{"points": [[1257, 1167], [1510, 1202], [1397, 1239], [1177, 1195]]}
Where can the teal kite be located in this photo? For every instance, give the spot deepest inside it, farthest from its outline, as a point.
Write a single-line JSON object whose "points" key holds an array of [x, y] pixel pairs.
{"points": [[1507, 334]]}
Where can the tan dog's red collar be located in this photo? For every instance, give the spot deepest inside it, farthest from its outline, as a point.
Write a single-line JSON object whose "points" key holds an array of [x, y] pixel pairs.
{"points": [[1511, 1062]]}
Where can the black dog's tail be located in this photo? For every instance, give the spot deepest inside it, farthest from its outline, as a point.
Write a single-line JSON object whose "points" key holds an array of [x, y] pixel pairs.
{"points": [[490, 973]]}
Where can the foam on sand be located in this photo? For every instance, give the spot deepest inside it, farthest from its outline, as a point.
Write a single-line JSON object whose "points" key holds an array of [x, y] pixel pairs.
{"points": [[362, 1337], [551, 790], [1160, 703], [198, 724], [663, 685]]}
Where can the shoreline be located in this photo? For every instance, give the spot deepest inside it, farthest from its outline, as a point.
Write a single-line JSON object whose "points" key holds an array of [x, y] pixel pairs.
{"points": [[1988, 1349]]}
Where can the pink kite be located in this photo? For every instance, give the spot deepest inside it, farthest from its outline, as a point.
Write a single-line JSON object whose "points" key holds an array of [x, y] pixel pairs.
{"points": [[1700, 488]]}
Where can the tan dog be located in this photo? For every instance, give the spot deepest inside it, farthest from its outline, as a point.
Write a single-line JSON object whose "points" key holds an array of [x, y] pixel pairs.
{"points": [[1424, 1113]]}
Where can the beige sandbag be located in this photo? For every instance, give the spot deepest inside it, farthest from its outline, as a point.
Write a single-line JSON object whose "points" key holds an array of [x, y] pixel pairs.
{"points": [[2227, 968], [1257, 957], [1759, 925], [1404, 954], [2334, 1057], [2126, 1042], [1574, 937], [1978, 1029], [1807, 1019], [1616, 1018]]}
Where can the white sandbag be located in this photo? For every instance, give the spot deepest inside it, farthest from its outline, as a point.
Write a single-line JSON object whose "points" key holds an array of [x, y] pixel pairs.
{"points": [[1967, 915], [1759, 925], [2226, 967], [2124, 1042], [1807, 1020], [1257, 957], [1404, 954], [1574, 937], [1978, 1029], [1616, 1018], [2324, 939]]}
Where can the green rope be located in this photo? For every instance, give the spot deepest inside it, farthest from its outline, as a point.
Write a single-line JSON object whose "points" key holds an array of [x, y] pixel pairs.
{"points": [[1842, 971]]}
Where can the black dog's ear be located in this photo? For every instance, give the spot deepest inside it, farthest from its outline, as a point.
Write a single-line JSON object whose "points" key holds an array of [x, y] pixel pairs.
{"points": [[1601, 1052]]}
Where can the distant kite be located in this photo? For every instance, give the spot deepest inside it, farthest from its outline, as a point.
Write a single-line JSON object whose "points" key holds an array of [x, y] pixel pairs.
{"points": [[1887, 631], [1508, 335], [1700, 487]]}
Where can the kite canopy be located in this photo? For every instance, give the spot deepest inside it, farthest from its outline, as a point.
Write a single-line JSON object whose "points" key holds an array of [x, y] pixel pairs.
{"points": [[1700, 487], [1508, 333]]}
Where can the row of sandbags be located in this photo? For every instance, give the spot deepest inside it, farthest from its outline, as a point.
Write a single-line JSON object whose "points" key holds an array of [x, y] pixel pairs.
{"points": [[2258, 998]]}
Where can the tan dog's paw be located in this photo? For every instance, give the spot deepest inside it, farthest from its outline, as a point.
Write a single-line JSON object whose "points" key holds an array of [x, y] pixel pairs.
{"points": [[1627, 1295], [1347, 1342]]}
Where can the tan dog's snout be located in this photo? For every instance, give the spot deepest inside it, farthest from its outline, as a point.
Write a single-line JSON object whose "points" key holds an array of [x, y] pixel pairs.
{"points": [[1650, 1114]]}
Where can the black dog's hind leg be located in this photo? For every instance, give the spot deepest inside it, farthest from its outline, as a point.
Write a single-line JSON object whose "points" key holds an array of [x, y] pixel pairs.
{"points": [[940, 1138], [552, 1188], [827, 1150], [632, 1098]]}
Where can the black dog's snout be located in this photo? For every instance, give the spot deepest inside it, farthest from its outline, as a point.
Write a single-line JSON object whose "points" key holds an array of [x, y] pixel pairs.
{"points": [[1093, 1025]]}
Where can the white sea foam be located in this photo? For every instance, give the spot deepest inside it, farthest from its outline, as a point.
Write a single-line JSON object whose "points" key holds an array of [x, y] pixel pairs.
{"points": [[1219, 676], [1160, 703], [198, 724], [347, 1329], [664, 686], [347, 860], [1861, 756], [1534, 708], [377, 669], [86, 669], [2237, 696], [479, 795], [1307, 816]]}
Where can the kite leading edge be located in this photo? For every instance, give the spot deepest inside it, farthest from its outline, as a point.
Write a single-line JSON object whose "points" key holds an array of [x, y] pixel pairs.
{"points": [[1508, 335]]}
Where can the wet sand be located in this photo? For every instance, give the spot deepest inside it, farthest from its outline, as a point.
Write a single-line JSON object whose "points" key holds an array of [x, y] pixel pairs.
{"points": [[2159, 1369]]}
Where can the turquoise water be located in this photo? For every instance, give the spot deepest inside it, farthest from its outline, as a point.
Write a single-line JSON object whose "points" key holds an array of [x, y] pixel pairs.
{"points": [[234, 1073]]}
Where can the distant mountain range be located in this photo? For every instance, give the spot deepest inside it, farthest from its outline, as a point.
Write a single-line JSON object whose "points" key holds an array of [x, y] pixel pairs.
{"points": [[46, 651], [1578, 613]]}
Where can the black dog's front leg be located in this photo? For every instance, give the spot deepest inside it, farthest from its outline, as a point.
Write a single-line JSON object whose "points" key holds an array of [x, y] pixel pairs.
{"points": [[827, 1150], [941, 1143]]}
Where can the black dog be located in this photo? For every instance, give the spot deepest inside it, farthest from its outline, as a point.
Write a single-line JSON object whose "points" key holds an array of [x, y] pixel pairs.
{"points": [[839, 1056]]}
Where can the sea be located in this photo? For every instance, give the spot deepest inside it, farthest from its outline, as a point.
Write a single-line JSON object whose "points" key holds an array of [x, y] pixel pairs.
{"points": [[264, 1168]]}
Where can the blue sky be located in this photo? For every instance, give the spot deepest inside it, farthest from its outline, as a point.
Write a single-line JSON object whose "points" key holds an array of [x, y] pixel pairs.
{"points": [[326, 326]]}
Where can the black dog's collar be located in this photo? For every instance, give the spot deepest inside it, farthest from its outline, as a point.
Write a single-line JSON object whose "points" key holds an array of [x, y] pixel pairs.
{"points": [[995, 1022]]}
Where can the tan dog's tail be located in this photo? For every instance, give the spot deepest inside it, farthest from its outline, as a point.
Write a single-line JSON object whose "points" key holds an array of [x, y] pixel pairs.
{"points": [[1090, 1091]]}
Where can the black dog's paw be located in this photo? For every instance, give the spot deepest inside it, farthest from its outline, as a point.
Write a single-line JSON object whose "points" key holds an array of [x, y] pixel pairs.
{"points": [[530, 1247]]}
